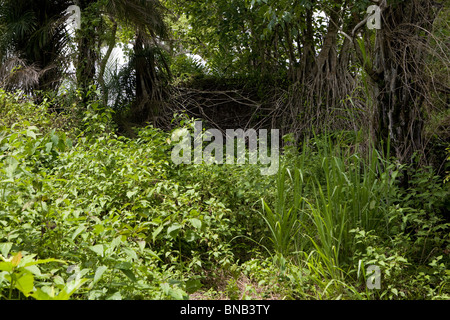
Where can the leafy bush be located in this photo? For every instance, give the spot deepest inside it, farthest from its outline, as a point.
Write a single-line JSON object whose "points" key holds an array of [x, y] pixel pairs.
{"points": [[18, 273], [88, 214], [19, 111], [184, 68], [426, 191], [115, 208], [337, 213]]}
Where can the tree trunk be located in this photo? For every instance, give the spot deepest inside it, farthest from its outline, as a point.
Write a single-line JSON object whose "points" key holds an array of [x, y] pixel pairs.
{"points": [[398, 76], [104, 62], [85, 67], [144, 106]]}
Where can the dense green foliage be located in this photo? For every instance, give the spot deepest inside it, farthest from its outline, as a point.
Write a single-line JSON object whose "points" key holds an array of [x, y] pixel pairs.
{"points": [[93, 207], [89, 214]]}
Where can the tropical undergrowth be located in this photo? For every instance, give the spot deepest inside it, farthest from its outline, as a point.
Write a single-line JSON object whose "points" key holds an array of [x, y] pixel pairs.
{"points": [[86, 213], [340, 211]]}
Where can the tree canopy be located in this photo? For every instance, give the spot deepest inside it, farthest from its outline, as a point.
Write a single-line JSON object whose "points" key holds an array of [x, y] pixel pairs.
{"points": [[317, 58]]}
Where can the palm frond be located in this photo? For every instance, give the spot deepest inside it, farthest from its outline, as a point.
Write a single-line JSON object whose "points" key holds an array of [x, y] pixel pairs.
{"points": [[15, 74], [32, 43], [145, 15]]}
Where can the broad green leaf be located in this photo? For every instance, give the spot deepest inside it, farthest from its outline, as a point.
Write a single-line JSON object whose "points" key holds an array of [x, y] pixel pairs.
{"points": [[70, 289], [153, 254], [131, 253], [98, 273], [157, 232], [178, 294], [69, 143], [25, 283], [55, 139], [59, 281], [79, 230], [193, 285], [129, 274], [41, 295], [5, 248], [124, 265], [174, 229], [13, 164], [196, 223], [6, 266], [98, 228], [98, 249], [62, 144], [48, 147], [114, 243], [141, 244], [34, 270], [31, 134], [115, 296], [165, 288], [190, 236], [130, 194], [193, 212]]}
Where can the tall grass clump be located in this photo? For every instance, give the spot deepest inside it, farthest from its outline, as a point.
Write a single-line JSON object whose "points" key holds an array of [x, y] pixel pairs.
{"points": [[284, 220], [330, 189]]}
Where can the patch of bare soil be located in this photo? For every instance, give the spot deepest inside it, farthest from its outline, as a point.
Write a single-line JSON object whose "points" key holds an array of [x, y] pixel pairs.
{"points": [[224, 286]]}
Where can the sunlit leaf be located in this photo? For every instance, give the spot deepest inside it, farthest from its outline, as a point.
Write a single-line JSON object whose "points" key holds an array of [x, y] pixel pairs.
{"points": [[16, 259], [25, 283], [6, 266], [98, 249], [196, 223], [5, 248], [98, 273]]}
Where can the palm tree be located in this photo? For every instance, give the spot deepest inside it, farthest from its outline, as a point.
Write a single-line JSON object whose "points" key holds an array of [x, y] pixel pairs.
{"points": [[146, 63], [32, 41], [146, 18], [151, 75], [33, 38]]}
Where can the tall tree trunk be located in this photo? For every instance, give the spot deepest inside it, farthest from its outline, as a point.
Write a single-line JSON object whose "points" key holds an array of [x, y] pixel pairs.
{"points": [[85, 66], [397, 73], [307, 59], [144, 106], [101, 75]]}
